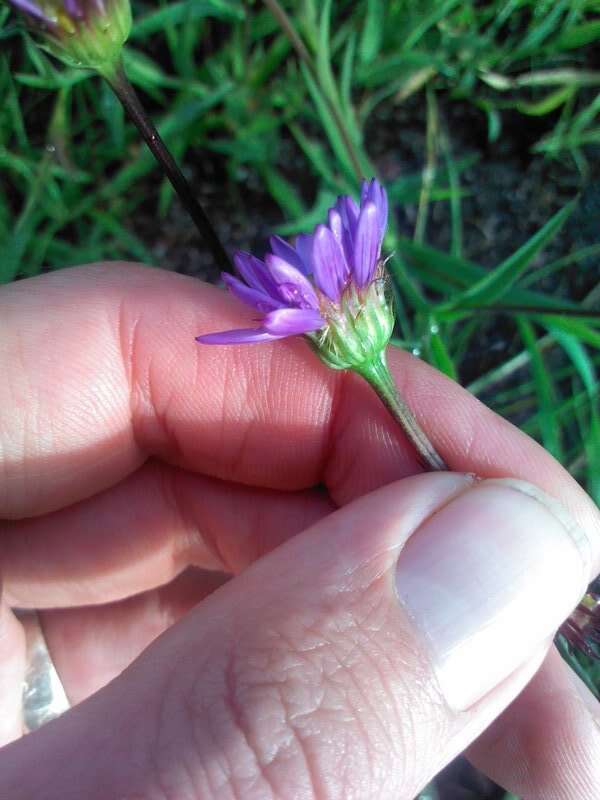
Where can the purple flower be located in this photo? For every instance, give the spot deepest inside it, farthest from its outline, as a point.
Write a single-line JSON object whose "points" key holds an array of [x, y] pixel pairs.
{"points": [[59, 14], [35, 11], [322, 282], [330, 286]]}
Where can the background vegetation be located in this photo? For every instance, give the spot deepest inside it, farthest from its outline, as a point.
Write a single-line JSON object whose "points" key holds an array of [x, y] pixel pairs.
{"points": [[482, 119]]}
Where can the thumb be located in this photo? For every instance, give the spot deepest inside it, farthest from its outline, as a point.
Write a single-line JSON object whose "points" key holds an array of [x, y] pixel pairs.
{"points": [[355, 660]]}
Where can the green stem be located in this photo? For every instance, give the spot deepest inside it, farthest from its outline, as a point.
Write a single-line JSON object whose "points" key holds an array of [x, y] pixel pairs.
{"points": [[378, 375], [121, 86]]}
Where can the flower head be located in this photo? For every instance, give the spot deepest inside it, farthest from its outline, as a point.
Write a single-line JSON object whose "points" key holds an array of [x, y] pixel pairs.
{"points": [[82, 33], [328, 286]]}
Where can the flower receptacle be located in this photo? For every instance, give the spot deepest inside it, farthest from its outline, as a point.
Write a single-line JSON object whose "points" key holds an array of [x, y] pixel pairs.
{"points": [[359, 326]]}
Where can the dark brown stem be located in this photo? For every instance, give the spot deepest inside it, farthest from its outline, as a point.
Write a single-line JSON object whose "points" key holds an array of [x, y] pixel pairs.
{"points": [[131, 102]]}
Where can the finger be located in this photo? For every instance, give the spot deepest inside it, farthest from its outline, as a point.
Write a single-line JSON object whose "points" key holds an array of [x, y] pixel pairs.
{"points": [[91, 646], [548, 743], [12, 675], [145, 531], [355, 660], [102, 371]]}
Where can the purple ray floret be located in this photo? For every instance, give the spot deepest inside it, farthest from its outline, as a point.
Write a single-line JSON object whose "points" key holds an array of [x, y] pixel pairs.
{"points": [[33, 10], [75, 10], [294, 284]]}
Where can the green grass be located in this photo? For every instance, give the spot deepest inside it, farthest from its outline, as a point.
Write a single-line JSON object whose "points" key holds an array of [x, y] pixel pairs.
{"points": [[228, 78]]}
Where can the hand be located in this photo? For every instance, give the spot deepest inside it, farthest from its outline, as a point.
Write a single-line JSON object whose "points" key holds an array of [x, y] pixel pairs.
{"points": [[324, 653]]}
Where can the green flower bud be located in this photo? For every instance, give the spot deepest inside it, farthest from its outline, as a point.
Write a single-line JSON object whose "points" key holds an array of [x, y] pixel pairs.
{"points": [[81, 33]]}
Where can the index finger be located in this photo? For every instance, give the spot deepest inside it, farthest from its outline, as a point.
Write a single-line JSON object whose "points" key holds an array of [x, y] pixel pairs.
{"points": [[101, 370]]}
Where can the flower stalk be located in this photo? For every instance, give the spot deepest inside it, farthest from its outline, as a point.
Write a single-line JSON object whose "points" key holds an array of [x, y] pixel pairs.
{"points": [[130, 100], [377, 374]]}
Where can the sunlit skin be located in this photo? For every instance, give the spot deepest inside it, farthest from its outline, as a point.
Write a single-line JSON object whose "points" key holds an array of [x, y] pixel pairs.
{"points": [[128, 453]]}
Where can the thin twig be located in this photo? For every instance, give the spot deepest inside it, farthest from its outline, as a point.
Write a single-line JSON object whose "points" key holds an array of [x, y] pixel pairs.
{"points": [[131, 102]]}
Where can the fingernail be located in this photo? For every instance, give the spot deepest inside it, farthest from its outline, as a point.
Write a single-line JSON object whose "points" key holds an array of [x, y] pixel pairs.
{"points": [[486, 579]]}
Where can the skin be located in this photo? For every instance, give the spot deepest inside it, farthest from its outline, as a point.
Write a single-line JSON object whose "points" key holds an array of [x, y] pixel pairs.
{"points": [[151, 488]]}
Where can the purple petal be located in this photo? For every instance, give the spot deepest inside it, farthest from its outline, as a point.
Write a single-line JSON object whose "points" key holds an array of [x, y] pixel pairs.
{"points": [[292, 321], [374, 192], [252, 297], [293, 286], [255, 273], [304, 250], [336, 226], [365, 188], [331, 270], [348, 211], [366, 244], [73, 9], [31, 8], [341, 233], [284, 250], [240, 336]]}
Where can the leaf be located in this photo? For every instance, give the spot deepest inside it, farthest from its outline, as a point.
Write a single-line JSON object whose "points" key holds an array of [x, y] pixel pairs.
{"points": [[577, 36], [318, 157], [111, 111], [413, 83], [185, 11], [440, 357], [284, 193], [428, 20], [62, 80], [323, 59], [548, 104], [576, 327], [372, 32], [497, 282], [545, 391], [387, 68], [347, 74], [329, 125], [590, 432], [13, 249], [312, 217]]}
